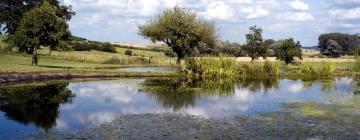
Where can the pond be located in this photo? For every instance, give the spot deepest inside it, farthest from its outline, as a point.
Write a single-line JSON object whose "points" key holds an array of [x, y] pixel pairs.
{"points": [[30, 108], [149, 69]]}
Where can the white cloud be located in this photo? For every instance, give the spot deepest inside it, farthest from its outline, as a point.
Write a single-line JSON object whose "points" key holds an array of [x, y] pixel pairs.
{"points": [[219, 10], [345, 13], [296, 16], [255, 12], [299, 5]]}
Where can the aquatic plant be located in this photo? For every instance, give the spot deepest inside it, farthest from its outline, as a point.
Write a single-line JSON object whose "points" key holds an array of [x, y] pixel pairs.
{"points": [[327, 68], [271, 68], [356, 66], [211, 67], [308, 69]]}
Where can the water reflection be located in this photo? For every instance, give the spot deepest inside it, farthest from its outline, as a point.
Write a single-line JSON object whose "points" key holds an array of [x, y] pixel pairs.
{"points": [[54, 105], [183, 93], [37, 104]]}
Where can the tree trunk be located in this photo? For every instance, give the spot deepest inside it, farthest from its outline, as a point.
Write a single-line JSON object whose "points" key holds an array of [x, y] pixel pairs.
{"points": [[35, 57], [178, 61]]}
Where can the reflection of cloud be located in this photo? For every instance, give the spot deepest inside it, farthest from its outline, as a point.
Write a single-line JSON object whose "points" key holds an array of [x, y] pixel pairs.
{"points": [[344, 80], [61, 124], [94, 118], [296, 87]]}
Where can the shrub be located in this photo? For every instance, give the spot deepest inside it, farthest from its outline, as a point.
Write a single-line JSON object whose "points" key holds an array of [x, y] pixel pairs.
{"points": [[112, 60], [108, 48], [170, 53], [128, 52]]}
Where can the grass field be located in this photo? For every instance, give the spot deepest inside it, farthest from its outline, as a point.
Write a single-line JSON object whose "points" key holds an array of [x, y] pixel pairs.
{"points": [[100, 57]]}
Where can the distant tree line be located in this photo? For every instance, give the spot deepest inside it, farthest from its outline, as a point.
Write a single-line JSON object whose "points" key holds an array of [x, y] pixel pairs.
{"points": [[338, 44]]}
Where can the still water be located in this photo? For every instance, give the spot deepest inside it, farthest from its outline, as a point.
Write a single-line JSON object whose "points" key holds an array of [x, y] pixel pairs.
{"points": [[149, 69], [68, 105]]}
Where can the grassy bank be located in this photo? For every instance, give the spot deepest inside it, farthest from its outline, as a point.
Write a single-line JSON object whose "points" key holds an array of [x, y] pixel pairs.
{"points": [[18, 63], [228, 67]]}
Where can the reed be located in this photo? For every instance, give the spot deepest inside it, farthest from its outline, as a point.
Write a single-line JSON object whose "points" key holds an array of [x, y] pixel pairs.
{"points": [[211, 67]]}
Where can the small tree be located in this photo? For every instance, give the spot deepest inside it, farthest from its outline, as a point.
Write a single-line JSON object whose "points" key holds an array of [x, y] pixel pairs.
{"points": [[40, 26], [181, 30], [254, 43], [288, 50]]}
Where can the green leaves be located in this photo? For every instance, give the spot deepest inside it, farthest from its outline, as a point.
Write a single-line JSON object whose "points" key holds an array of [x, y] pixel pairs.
{"points": [[40, 26], [254, 43], [181, 30], [288, 50]]}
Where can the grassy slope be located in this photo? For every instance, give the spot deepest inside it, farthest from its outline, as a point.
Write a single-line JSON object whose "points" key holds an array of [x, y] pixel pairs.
{"points": [[72, 61], [22, 63]]}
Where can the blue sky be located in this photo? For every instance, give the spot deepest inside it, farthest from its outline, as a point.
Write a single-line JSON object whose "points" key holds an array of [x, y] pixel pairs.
{"points": [[304, 20]]}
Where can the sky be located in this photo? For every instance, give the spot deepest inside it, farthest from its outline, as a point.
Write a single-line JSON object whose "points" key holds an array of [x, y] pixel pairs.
{"points": [[303, 20]]}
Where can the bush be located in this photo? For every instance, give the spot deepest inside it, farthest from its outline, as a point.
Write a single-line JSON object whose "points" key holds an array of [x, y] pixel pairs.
{"points": [[112, 60], [108, 48], [170, 53], [128, 52]]}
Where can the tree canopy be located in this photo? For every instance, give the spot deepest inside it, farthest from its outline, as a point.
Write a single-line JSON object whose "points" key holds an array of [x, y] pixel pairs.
{"points": [[181, 30], [348, 44], [40, 26], [254, 43], [288, 50], [12, 11]]}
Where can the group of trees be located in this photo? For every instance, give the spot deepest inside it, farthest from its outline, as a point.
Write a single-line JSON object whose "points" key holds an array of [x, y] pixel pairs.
{"points": [[337, 44], [188, 35], [34, 23]]}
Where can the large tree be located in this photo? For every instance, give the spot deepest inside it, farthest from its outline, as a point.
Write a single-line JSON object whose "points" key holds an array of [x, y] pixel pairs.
{"points": [[288, 51], [181, 30], [12, 11], [332, 49], [39, 27], [254, 43], [348, 43]]}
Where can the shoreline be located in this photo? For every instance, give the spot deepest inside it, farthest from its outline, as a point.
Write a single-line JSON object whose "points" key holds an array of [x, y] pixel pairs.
{"points": [[23, 77]]}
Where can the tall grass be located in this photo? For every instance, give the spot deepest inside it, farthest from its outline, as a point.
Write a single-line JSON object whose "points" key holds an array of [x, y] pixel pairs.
{"points": [[322, 69], [356, 66], [259, 69], [228, 67], [211, 67]]}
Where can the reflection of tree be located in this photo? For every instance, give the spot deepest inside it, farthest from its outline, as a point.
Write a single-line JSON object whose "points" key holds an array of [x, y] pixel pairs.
{"points": [[258, 84], [327, 83], [183, 93], [171, 93], [34, 104]]}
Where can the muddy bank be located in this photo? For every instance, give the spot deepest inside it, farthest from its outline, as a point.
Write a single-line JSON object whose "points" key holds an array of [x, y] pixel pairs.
{"points": [[20, 77]]}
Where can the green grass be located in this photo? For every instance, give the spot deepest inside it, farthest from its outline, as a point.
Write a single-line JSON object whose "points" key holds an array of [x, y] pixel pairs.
{"points": [[22, 63], [103, 57], [140, 52]]}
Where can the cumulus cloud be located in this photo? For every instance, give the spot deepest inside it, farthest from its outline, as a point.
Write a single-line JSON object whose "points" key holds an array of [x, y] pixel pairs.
{"points": [[296, 16], [345, 13], [117, 20], [300, 5]]}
